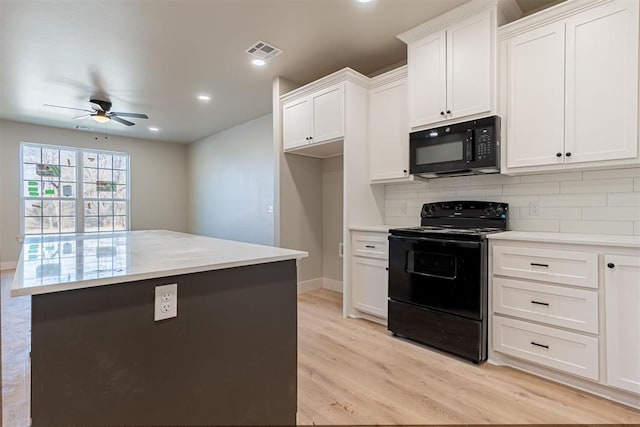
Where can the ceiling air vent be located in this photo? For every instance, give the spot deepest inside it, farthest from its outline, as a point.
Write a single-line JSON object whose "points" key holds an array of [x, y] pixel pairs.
{"points": [[264, 51]]}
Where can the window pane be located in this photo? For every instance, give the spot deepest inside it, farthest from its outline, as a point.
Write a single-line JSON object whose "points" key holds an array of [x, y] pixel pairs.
{"points": [[67, 158], [106, 223], [120, 177], [119, 208], [90, 208], [50, 156], [32, 188], [119, 223], [90, 159], [51, 208], [29, 172], [31, 155], [68, 208], [67, 173], [50, 224], [105, 208], [90, 175], [105, 161], [67, 224], [90, 191], [119, 162], [32, 208], [121, 192], [32, 225], [68, 189], [105, 175], [91, 223], [50, 189]]}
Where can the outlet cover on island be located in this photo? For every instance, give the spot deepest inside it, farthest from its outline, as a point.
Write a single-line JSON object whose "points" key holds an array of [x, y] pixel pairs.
{"points": [[166, 302]]}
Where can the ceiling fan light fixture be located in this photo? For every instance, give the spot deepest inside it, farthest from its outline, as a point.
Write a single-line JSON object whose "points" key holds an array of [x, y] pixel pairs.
{"points": [[100, 118]]}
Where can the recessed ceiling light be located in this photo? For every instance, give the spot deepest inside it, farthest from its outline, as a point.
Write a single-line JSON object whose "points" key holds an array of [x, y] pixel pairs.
{"points": [[204, 97], [258, 62], [152, 129], [364, 1]]}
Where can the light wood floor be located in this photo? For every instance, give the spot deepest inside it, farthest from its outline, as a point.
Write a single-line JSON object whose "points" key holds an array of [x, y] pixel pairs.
{"points": [[352, 371]]}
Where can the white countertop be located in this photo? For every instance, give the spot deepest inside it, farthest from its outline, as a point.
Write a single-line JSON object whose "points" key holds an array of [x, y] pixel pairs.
{"points": [[54, 263], [573, 238]]}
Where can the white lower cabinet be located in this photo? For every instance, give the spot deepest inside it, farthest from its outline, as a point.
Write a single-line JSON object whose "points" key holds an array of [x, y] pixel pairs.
{"points": [[622, 296], [369, 273], [568, 311]]}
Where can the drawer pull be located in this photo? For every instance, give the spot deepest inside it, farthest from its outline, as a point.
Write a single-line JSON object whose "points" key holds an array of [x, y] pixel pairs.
{"points": [[536, 264], [539, 345], [611, 265], [540, 303], [370, 246]]}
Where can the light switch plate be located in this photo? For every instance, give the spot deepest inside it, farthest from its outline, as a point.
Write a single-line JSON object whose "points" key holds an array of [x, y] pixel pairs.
{"points": [[166, 302]]}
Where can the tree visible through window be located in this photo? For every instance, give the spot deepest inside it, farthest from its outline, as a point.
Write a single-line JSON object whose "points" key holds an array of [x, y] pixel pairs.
{"points": [[67, 190]]}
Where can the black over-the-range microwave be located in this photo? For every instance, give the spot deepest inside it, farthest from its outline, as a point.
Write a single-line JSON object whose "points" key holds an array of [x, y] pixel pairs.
{"points": [[467, 148]]}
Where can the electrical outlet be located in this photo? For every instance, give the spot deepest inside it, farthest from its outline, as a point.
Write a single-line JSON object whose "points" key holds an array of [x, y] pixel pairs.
{"points": [[534, 208], [166, 302]]}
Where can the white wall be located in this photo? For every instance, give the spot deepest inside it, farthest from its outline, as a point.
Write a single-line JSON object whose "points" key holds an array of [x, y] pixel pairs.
{"points": [[231, 183], [600, 202], [332, 208], [158, 179]]}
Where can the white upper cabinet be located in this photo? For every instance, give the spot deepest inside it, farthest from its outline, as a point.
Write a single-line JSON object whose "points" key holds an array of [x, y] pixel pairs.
{"points": [[602, 83], [389, 128], [536, 97], [450, 66], [313, 119], [569, 87]]}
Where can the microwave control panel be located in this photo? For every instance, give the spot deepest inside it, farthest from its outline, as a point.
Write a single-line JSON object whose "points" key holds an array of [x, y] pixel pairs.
{"points": [[484, 144]]}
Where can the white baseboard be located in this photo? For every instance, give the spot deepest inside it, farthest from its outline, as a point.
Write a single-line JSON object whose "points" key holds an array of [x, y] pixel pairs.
{"points": [[9, 265], [332, 284], [320, 282], [309, 285]]}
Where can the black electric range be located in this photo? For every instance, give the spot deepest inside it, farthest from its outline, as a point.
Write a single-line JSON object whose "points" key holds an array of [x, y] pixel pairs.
{"points": [[438, 276]]}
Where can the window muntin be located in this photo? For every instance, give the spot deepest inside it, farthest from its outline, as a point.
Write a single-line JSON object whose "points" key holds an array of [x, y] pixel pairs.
{"points": [[68, 190]]}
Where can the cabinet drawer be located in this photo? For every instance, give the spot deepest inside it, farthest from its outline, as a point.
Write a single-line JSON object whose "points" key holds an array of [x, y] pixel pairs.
{"points": [[558, 266], [566, 351], [555, 305], [373, 245]]}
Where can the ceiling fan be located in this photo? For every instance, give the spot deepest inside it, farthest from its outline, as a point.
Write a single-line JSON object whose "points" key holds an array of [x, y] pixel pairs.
{"points": [[101, 112]]}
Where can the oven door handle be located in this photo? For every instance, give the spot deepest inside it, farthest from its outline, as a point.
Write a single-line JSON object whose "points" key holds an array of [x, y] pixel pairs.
{"points": [[447, 242]]}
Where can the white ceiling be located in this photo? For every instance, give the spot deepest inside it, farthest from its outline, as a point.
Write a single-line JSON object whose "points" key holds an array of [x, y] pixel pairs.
{"points": [[155, 56]]}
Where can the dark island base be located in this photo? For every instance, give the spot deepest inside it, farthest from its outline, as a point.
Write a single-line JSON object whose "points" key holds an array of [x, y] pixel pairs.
{"points": [[230, 357]]}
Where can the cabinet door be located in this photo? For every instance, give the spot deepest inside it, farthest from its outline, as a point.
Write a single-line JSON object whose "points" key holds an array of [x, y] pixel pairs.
{"points": [[622, 299], [602, 83], [296, 123], [370, 289], [535, 97], [388, 132], [469, 54], [427, 59], [328, 114]]}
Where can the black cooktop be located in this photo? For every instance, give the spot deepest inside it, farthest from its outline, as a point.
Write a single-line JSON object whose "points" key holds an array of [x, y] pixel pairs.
{"points": [[464, 220]]}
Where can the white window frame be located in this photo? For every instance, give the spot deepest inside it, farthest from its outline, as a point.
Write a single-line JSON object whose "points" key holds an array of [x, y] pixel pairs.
{"points": [[79, 195]]}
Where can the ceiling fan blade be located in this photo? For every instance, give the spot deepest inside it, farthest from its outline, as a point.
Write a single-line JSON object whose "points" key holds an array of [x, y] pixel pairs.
{"points": [[136, 115], [68, 108], [84, 116], [123, 121]]}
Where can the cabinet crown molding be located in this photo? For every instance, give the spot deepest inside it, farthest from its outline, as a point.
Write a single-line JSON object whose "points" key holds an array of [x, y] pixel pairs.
{"points": [[345, 75], [446, 19], [547, 16], [397, 74]]}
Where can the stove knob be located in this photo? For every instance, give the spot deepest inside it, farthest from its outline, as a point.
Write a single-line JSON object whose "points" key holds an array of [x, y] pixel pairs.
{"points": [[499, 210], [458, 208]]}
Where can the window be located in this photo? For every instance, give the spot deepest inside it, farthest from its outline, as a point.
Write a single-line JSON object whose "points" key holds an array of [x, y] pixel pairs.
{"points": [[67, 190]]}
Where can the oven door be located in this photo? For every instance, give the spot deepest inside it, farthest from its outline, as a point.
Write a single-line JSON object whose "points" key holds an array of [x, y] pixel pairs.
{"points": [[440, 274]]}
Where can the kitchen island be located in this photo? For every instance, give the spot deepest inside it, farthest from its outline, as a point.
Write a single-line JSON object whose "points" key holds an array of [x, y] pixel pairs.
{"points": [[98, 357]]}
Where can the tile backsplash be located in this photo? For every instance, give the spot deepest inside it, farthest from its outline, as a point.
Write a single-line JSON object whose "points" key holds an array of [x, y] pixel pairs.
{"points": [[600, 202]]}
